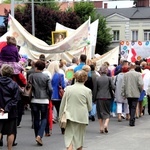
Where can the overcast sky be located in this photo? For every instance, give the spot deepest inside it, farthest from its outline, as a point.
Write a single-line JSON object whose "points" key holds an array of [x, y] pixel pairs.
{"points": [[119, 4]]}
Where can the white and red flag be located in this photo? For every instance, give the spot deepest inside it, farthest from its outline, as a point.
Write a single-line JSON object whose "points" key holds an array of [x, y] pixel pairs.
{"points": [[132, 57]]}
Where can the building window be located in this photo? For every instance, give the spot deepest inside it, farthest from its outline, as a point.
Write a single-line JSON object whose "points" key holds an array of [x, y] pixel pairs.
{"points": [[116, 35], [146, 35], [134, 35]]}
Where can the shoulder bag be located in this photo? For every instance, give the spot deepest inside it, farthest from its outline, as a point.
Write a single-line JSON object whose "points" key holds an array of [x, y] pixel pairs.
{"points": [[27, 92], [60, 89], [63, 118]]}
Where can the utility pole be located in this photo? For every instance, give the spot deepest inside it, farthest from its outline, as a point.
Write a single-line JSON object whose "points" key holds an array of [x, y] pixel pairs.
{"points": [[33, 22], [12, 8]]}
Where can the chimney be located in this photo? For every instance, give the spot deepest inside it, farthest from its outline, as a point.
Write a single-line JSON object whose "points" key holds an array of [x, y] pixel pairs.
{"points": [[105, 5]]}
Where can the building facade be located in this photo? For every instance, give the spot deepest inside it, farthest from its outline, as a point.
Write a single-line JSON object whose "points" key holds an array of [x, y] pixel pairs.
{"points": [[128, 24]]}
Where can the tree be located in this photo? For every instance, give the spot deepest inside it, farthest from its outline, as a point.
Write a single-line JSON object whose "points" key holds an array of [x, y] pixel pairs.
{"points": [[45, 20], [104, 38], [84, 10], [52, 4]]}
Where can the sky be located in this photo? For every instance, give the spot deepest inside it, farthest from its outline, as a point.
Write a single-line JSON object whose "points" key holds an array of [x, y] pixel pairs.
{"points": [[119, 4], [1, 20]]}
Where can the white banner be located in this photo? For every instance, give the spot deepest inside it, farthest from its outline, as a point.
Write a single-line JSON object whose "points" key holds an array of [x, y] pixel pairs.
{"points": [[62, 27], [25, 39], [142, 49], [93, 34], [33, 46], [111, 57]]}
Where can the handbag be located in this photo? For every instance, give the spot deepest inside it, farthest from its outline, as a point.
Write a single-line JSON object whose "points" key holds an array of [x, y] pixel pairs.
{"points": [[142, 94], [60, 89], [145, 101], [111, 90], [27, 92], [63, 118]]}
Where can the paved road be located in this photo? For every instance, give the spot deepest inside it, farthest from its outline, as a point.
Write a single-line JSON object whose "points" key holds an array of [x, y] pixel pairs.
{"points": [[120, 136]]}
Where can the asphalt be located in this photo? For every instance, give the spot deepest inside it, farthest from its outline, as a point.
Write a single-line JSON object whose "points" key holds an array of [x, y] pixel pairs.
{"points": [[120, 137]]}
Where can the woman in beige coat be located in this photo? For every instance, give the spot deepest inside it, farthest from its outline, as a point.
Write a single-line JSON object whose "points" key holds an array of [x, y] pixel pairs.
{"points": [[78, 101]]}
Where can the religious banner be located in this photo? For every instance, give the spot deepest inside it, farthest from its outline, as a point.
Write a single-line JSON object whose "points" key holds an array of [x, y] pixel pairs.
{"points": [[68, 48], [25, 39]]}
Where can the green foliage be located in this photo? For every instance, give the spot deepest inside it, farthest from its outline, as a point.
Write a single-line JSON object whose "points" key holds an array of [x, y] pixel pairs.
{"points": [[20, 8], [47, 14], [45, 20], [86, 9], [9, 1], [52, 4], [104, 37], [69, 9], [6, 1]]}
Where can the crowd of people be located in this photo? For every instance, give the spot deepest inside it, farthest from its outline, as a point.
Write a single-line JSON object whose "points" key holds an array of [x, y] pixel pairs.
{"points": [[101, 92]]}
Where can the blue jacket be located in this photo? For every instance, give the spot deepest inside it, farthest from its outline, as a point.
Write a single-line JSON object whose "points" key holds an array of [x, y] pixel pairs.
{"points": [[9, 96], [55, 84]]}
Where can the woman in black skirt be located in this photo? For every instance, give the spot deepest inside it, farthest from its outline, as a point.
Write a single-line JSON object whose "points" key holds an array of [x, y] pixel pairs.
{"points": [[9, 97], [103, 97]]}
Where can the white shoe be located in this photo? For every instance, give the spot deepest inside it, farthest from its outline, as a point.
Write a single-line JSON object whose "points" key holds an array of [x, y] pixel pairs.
{"points": [[113, 114]]}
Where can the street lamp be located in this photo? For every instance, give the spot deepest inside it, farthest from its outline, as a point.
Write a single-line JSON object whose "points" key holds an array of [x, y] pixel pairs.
{"points": [[33, 23], [12, 7], [32, 11]]}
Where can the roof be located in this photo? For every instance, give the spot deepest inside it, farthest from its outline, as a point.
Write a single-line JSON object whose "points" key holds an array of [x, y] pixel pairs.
{"points": [[63, 6], [7, 7], [3, 7], [131, 13]]}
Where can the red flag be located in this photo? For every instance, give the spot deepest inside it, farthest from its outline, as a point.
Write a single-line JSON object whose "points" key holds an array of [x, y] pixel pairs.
{"points": [[50, 115], [148, 59], [131, 55], [2, 44], [133, 58]]}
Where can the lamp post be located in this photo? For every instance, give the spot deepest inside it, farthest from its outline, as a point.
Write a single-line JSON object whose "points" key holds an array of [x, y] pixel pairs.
{"points": [[12, 7], [32, 12], [33, 23]]}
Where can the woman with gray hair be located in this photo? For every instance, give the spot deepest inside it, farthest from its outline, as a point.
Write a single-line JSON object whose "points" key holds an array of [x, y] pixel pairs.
{"points": [[77, 102], [103, 98], [8, 104]]}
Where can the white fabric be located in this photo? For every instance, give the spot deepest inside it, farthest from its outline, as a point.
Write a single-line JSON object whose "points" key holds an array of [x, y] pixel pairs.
{"points": [[111, 57], [73, 45], [40, 101], [62, 27], [142, 49], [93, 34], [119, 108], [146, 79]]}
